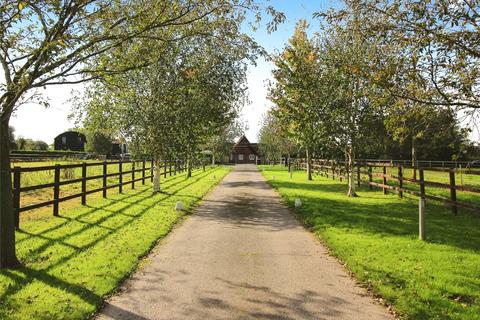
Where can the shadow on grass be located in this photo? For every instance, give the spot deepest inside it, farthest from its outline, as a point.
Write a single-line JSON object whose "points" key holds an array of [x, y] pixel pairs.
{"points": [[92, 231], [381, 214], [376, 235]]}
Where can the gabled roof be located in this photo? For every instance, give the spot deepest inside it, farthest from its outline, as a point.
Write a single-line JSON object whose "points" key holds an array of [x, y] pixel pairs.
{"points": [[244, 141]]}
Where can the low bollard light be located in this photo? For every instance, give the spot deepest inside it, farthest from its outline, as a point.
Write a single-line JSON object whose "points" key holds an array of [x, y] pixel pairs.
{"points": [[178, 206], [421, 218], [298, 203]]}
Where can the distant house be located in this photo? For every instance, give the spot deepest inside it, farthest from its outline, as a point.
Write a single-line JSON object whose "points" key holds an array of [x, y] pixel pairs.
{"points": [[118, 148], [70, 140], [244, 152]]}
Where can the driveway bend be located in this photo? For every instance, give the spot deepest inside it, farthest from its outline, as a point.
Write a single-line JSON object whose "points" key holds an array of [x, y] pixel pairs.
{"points": [[242, 255]]}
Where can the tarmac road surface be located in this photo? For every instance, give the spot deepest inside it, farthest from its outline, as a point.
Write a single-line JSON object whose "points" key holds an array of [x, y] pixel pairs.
{"points": [[241, 255]]}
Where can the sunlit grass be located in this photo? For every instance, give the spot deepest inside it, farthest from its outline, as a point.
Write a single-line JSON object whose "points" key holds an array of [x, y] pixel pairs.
{"points": [[376, 236], [47, 176], [71, 262]]}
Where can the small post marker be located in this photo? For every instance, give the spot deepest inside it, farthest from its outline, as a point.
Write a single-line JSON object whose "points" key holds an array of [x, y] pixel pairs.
{"points": [[178, 206], [421, 218], [298, 203], [273, 177]]}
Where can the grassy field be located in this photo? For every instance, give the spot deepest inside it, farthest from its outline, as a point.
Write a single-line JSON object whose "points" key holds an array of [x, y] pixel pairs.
{"points": [[461, 179], [376, 236], [73, 261], [47, 176]]}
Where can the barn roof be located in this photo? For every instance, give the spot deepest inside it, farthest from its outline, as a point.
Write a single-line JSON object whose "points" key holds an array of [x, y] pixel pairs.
{"points": [[70, 133], [244, 141]]}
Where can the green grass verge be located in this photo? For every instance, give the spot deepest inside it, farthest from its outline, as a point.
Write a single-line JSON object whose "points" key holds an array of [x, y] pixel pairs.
{"points": [[73, 261], [376, 236], [462, 179]]}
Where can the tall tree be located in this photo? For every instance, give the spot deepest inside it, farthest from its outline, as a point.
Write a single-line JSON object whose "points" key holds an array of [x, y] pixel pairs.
{"points": [[294, 91], [54, 42], [173, 107], [437, 40], [273, 140]]}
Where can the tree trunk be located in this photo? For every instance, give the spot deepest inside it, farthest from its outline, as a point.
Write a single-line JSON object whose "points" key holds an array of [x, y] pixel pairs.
{"points": [[189, 166], [414, 158], [309, 165], [288, 162], [156, 176], [213, 158], [351, 180], [8, 258]]}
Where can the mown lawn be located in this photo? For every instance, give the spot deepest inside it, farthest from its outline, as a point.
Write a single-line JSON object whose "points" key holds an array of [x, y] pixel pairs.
{"points": [[376, 236], [461, 179], [73, 261], [47, 176]]}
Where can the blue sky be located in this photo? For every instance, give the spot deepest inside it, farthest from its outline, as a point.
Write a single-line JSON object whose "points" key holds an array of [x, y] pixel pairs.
{"points": [[258, 75], [33, 121]]}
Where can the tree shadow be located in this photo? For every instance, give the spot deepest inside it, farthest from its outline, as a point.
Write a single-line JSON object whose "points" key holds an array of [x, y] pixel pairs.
{"points": [[380, 214], [48, 250], [263, 302]]}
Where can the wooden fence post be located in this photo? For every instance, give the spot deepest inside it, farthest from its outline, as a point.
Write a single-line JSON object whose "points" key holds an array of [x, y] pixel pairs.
{"points": [[384, 179], [143, 172], [84, 183], [56, 190], [370, 178], [422, 183], [120, 177], [453, 191], [133, 174], [333, 171], [175, 167], [165, 170], [358, 174], [104, 191], [400, 181], [170, 168], [16, 196], [151, 170]]}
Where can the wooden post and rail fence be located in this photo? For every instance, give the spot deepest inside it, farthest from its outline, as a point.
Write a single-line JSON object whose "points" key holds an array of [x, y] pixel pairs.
{"points": [[139, 173], [367, 171]]}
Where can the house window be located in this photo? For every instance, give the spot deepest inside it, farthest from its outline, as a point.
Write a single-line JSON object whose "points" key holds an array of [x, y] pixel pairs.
{"points": [[240, 157], [251, 157], [231, 156], [64, 140]]}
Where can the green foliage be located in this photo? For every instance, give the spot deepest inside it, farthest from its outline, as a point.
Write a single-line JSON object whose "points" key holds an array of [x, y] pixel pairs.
{"points": [[376, 236], [273, 141], [433, 46], [187, 97], [30, 144], [221, 143], [99, 143], [366, 86], [294, 91]]}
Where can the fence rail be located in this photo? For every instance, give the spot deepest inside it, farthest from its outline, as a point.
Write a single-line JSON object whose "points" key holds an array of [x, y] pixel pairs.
{"points": [[28, 156], [430, 164], [365, 171], [426, 163], [144, 173]]}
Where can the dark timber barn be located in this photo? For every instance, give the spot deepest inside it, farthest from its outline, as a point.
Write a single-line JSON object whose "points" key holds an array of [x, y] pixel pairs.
{"points": [[244, 152], [70, 140]]}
